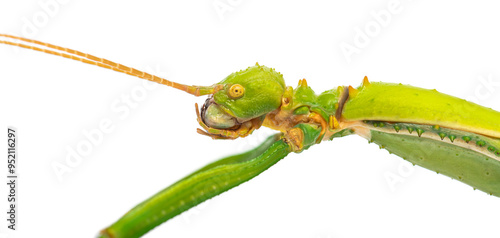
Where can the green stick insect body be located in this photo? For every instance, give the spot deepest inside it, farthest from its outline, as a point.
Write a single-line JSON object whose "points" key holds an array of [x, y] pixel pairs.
{"points": [[442, 133]]}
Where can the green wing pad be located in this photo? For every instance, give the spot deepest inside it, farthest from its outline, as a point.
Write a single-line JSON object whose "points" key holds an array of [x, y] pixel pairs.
{"points": [[467, 166]]}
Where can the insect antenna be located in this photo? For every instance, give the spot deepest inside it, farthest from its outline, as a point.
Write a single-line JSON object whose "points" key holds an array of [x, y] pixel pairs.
{"points": [[104, 63]]}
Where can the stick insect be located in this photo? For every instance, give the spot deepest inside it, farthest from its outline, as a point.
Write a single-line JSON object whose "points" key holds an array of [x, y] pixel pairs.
{"points": [[439, 132]]}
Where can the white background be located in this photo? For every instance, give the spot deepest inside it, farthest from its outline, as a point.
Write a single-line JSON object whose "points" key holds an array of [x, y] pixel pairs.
{"points": [[334, 190]]}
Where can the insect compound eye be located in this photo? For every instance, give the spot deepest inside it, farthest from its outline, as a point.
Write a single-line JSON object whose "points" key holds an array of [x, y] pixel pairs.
{"points": [[236, 91]]}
